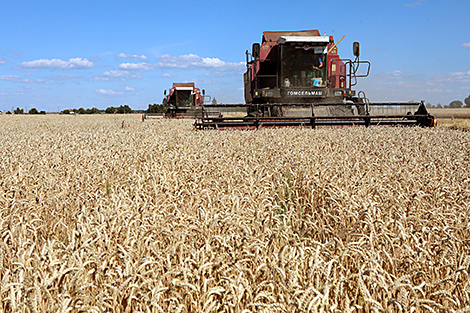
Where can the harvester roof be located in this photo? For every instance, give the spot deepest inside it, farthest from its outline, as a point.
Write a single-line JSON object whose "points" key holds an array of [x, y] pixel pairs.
{"points": [[317, 39], [274, 36], [183, 86]]}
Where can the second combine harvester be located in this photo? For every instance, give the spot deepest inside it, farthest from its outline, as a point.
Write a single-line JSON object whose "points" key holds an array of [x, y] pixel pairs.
{"points": [[297, 78]]}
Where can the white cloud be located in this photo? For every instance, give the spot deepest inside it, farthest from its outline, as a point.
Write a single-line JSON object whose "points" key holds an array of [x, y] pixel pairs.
{"points": [[192, 61], [15, 78], [459, 77], [135, 66], [466, 45], [9, 77], [129, 88], [73, 63], [117, 75], [108, 92], [166, 75], [133, 57], [3, 61]]}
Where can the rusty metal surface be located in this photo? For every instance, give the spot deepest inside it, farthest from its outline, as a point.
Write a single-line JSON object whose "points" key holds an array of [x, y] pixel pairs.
{"points": [[274, 36], [183, 85]]}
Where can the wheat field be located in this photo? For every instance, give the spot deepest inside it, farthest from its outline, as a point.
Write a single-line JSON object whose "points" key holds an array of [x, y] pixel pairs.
{"points": [[112, 214]]}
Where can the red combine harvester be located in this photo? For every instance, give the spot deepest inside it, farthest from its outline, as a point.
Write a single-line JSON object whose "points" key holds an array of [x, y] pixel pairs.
{"points": [[183, 100], [298, 79]]}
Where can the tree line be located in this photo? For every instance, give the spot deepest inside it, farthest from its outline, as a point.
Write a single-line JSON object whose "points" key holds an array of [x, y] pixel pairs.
{"points": [[123, 109], [454, 104], [160, 108]]}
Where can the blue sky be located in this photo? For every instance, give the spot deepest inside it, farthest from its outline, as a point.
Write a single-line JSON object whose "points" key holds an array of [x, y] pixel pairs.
{"points": [[56, 55]]}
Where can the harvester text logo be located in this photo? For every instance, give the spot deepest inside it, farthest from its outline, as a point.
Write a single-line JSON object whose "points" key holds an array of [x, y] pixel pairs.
{"points": [[302, 93]]}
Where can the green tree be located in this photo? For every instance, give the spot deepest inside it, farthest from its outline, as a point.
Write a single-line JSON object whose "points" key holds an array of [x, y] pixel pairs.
{"points": [[110, 110], [156, 108], [18, 111], [456, 104], [42, 112], [467, 102], [8, 112], [121, 110], [439, 106], [92, 111], [214, 101], [65, 112], [33, 111]]}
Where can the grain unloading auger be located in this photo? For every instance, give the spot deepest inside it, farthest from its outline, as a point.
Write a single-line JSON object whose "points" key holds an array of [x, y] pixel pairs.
{"points": [[298, 79]]}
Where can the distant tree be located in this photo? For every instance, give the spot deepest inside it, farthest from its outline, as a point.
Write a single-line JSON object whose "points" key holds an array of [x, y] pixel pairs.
{"points": [[467, 102], [18, 111], [65, 111], [428, 105], [214, 101], [439, 106], [156, 108], [456, 104], [42, 112], [110, 110], [33, 111], [121, 110], [92, 111], [80, 111], [8, 112]]}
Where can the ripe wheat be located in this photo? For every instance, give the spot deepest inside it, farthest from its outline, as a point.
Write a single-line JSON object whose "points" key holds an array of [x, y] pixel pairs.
{"points": [[108, 213]]}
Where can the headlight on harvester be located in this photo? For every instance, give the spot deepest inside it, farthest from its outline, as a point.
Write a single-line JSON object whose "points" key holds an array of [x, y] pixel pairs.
{"points": [[338, 93]]}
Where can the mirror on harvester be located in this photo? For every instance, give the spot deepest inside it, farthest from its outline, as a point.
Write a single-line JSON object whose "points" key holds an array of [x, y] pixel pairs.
{"points": [[255, 50], [203, 92], [164, 92], [356, 49]]}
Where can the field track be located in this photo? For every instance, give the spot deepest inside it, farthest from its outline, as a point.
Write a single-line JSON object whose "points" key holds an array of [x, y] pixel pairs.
{"points": [[111, 214]]}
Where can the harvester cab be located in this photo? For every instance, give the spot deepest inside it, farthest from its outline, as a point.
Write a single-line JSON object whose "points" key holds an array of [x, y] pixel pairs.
{"points": [[300, 67], [183, 100], [297, 78]]}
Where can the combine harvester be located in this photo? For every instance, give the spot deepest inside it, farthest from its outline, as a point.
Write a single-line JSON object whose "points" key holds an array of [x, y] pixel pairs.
{"points": [[297, 79], [184, 100]]}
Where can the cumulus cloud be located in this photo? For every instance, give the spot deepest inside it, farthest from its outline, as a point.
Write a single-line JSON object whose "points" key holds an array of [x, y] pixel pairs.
{"points": [[114, 92], [166, 75], [73, 63], [459, 77], [117, 75], [3, 61], [135, 66], [15, 78], [9, 77], [132, 57], [192, 61], [466, 45], [108, 92]]}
